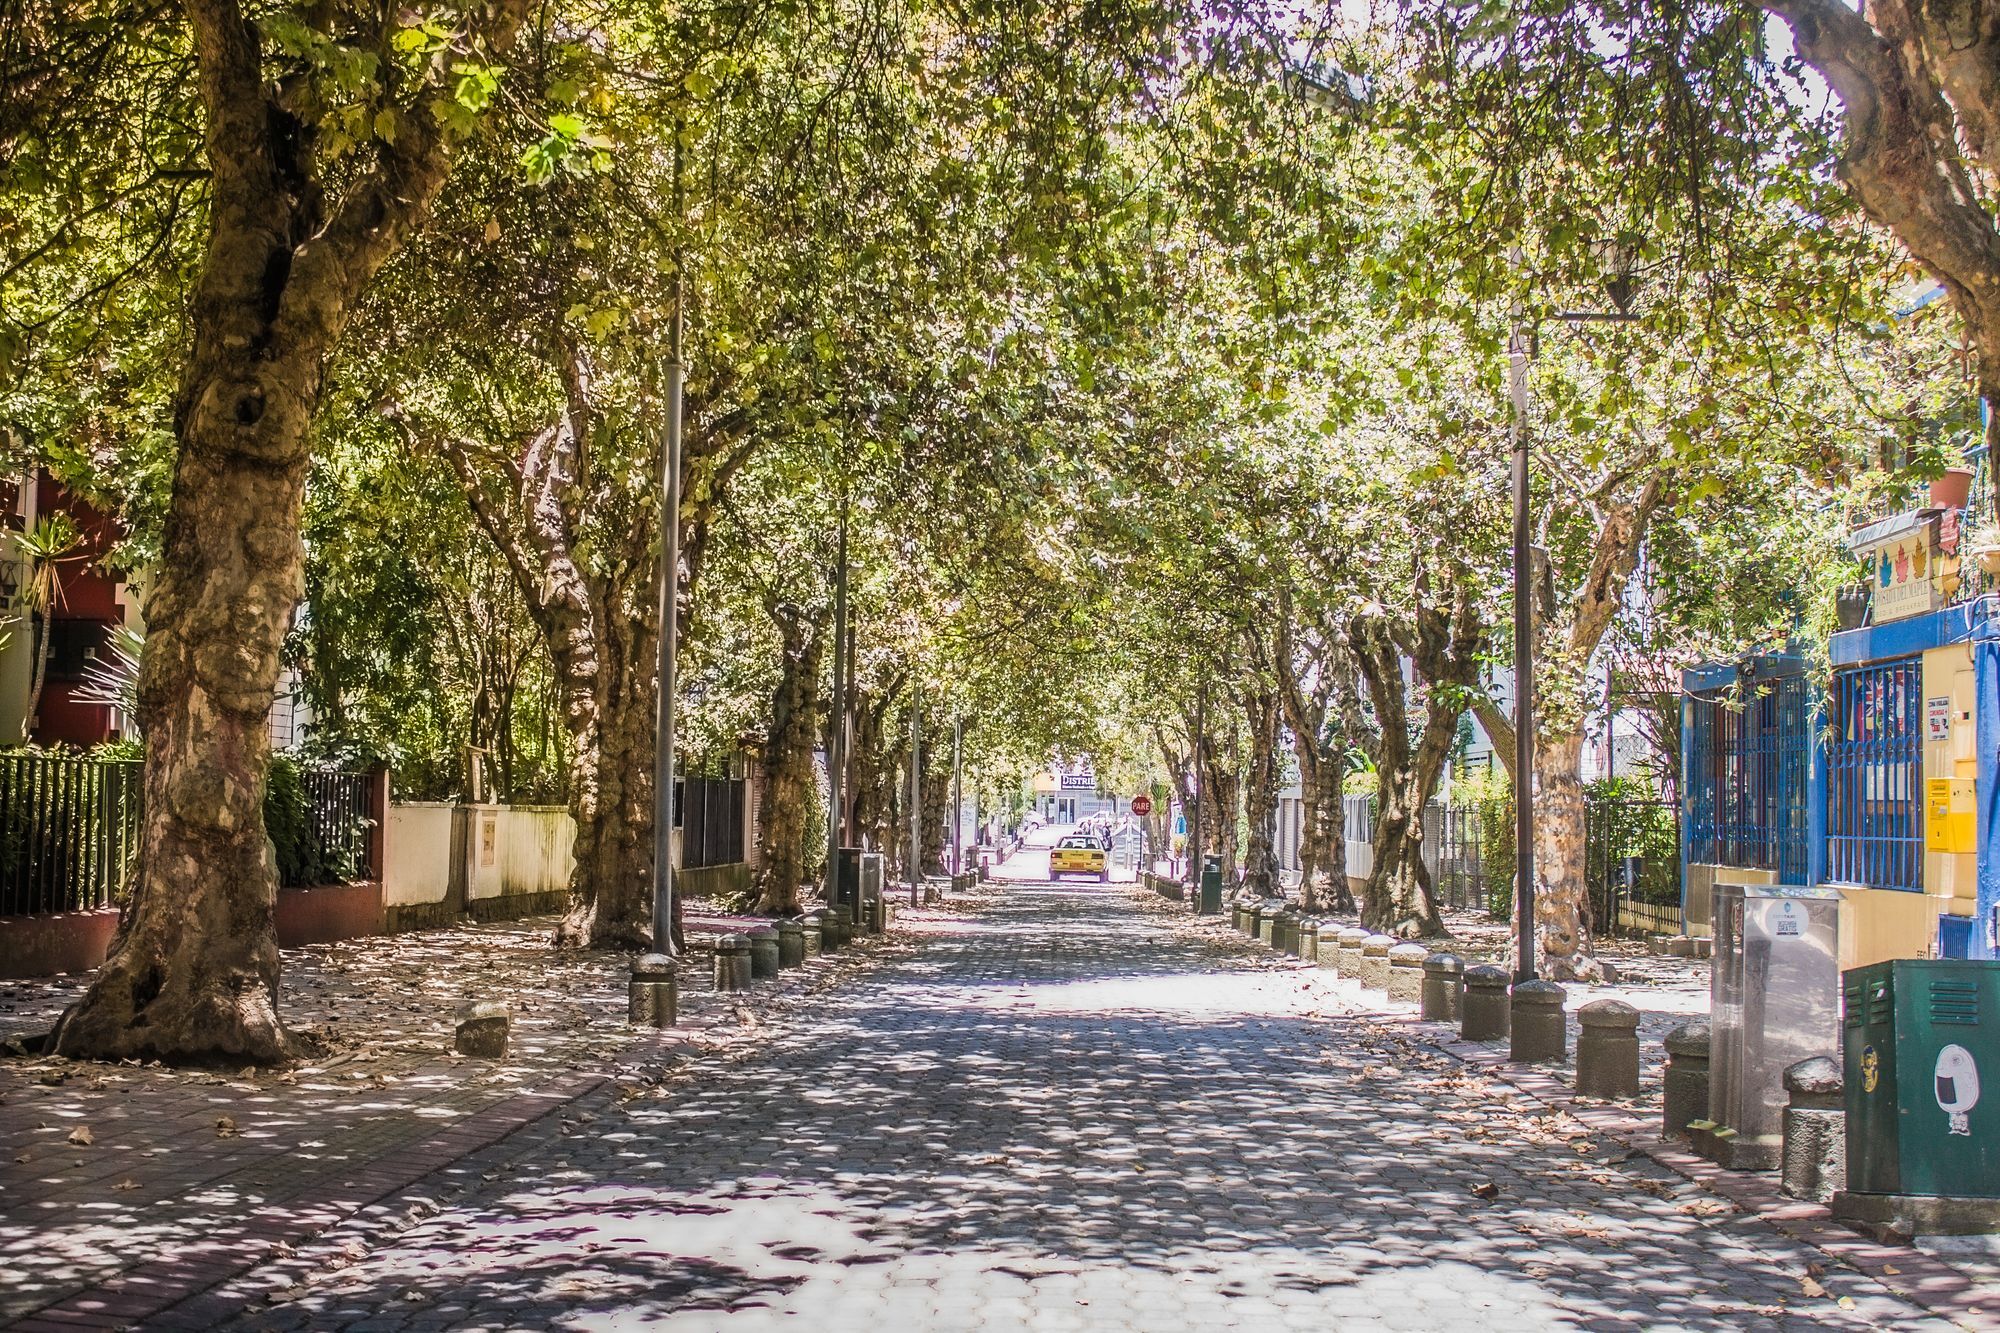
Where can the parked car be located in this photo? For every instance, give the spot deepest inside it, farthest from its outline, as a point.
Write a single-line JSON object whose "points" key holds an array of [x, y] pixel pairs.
{"points": [[1079, 854]]}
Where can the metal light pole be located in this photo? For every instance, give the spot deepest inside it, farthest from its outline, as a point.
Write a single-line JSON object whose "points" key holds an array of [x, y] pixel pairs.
{"points": [[1524, 659], [669, 646], [916, 805], [836, 758], [957, 796]]}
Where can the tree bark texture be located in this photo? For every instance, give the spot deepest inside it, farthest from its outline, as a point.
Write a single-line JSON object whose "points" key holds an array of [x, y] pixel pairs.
{"points": [[193, 971], [1260, 793], [789, 784], [1442, 643]]}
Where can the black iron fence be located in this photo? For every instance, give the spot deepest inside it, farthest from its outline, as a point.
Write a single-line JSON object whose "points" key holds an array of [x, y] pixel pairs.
{"points": [[69, 829], [710, 815], [1469, 850], [1631, 853]]}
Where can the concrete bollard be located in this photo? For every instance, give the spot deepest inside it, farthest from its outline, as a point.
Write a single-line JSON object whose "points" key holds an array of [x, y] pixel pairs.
{"points": [[1267, 920], [732, 962], [1406, 973], [1347, 952], [791, 943], [1685, 1095], [1540, 1035], [835, 929], [1375, 961], [1327, 953], [1607, 1050], [811, 943], [654, 998], [1487, 1016], [1444, 988], [482, 1029], [1243, 916], [1308, 938], [1286, 938], [764, 952], [1814, 1164]]}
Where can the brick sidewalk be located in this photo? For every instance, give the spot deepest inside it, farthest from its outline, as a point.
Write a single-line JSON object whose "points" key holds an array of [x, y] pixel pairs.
{"points": [[1070, 1111], [126, 1189]]}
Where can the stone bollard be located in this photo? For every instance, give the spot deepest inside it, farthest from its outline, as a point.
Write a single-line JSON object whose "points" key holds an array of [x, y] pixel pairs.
{"points": [[1239, 914], [1328, 953], [1444, 988], [1814, 1165], [764, 952], [1607, 1050], [1685, 1095], [482, 1029], [791, 943], [1308, 938], [1406, 972], [835, 928], [732, 962], [654, 999], [1539, 1035], [1347, 950], [1375, 961], [1267, 920], [1487, 1016], [810, 941], [1285, 939]]}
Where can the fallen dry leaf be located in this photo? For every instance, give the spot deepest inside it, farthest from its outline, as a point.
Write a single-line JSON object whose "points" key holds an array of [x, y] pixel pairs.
{"points": [[225, 1127], [1811, 1287], [127, 1184], [82, 1137], [1486, 1189]]}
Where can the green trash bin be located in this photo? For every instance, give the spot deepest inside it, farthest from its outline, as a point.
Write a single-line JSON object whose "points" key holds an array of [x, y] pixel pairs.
{"points": [[1211, 886], [1921, 1049]]}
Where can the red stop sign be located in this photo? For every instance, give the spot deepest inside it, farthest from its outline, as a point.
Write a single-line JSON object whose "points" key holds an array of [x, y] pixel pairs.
{"points": [[1142, 805]]}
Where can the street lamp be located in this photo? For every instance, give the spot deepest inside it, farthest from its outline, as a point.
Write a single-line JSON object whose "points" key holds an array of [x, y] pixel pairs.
{"points": [[1619, 284]]}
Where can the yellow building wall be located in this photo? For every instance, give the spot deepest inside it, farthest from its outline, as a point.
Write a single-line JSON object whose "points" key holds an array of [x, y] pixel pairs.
{"points": [[1880, 924]]}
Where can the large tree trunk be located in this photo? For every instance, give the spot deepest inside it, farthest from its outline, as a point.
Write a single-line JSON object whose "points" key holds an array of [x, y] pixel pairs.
{"points": [[789, 785], [1260, 853], [1562, 907], [611, 793], [1323, 833], [1399, 899], [193, 972]]}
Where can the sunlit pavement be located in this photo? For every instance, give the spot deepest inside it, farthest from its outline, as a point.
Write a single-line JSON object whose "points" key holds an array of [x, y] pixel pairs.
{"points": [[1063, 1113]]}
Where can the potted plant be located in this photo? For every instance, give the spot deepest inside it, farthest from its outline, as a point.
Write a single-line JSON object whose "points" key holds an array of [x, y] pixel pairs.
{"points": [[1953, 489], [1983, 545], [1850, 605]]}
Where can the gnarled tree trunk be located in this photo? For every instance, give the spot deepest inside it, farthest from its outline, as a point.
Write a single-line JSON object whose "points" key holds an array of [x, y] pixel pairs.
{"points": [[789, 784], [193, 971], [1260, 852]]}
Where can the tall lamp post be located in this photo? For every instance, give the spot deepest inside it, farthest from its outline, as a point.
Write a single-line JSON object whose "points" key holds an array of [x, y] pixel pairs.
{"points": [[669, 644], [1620, 288]]}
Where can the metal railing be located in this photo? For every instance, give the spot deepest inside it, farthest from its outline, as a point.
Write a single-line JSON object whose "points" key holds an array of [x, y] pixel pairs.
{"points": [[1631, 854], [69, 828]]}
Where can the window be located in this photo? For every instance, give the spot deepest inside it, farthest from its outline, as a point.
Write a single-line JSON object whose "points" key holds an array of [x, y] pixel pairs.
{"points": [[1747, 787], [1874, 802]]}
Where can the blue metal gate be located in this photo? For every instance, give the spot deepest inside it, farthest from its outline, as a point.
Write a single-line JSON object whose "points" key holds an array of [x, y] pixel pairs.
{"points": [[1874, 802]]}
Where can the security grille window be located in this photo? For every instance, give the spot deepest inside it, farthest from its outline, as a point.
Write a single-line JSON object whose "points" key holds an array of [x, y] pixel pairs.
{"points": [[1747, 790], [1874, 813]]}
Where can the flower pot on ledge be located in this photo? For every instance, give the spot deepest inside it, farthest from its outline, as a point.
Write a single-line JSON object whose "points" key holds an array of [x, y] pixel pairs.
{"points": [[1953, 489], [1850, 606]]}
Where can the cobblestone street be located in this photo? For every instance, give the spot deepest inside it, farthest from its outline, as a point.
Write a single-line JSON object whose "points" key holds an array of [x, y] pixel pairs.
{"points": [[1068, 1111]]}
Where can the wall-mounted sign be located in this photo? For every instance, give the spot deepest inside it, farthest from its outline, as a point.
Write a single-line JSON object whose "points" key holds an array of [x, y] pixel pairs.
{"points": [[1903, 564], [1079, 782], [1937, 718]]}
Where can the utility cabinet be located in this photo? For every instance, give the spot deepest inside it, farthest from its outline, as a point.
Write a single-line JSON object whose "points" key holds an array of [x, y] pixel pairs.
{"points": [[858, 886], [1774, 993], [1921, 1049]]}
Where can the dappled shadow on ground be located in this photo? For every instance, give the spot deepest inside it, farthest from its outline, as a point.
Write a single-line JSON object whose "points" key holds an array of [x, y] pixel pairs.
{"points": [[1068, 1112]]}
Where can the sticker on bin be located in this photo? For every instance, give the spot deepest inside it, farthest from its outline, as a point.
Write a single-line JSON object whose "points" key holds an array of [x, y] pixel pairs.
{"points": [[1957, 1087]]}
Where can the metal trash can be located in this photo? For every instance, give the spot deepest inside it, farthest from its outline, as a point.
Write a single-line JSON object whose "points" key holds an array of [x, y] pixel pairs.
{"points": [[1920, 1044], [1211, 886]]}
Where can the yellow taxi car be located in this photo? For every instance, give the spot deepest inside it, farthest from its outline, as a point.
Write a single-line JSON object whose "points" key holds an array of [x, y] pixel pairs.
{"points": [[1079, 854]]}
